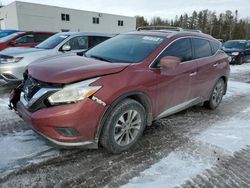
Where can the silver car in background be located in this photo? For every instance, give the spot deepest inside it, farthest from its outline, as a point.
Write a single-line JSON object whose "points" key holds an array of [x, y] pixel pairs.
{"points": [[14, 61]]}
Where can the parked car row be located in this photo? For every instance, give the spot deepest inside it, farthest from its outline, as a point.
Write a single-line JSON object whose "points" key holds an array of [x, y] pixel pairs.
{"points": [[14, 61], [109, 94]]}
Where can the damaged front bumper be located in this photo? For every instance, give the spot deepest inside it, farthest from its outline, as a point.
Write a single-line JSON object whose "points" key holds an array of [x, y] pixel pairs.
{"points": [[69, 125]]}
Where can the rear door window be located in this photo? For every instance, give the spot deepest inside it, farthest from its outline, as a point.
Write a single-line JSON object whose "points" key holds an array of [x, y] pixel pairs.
{"points": [[41, 37], [94, 40], [25, 39], [202, 48]]}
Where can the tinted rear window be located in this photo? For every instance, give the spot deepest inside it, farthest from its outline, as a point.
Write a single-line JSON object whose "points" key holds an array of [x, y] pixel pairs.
{"points": [[94, 40], [41, 37], [202, 48]]}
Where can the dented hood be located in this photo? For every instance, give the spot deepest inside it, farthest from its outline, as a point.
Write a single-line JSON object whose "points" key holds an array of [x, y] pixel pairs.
{"points": [[72, 68]]}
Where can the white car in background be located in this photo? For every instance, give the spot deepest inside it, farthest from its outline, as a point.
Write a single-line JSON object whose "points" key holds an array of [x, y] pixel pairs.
{"points": [[14, 61]]}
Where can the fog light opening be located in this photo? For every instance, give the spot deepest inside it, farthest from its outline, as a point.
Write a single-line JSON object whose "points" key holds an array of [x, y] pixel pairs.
{"points": [[68, 132]]}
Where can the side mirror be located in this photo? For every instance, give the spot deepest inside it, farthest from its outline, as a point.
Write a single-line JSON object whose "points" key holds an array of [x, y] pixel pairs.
{"points": [[66, 48], [12, 43], [170, 62]]}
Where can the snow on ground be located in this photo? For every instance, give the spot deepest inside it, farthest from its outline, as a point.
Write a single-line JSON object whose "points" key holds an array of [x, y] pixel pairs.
{"points": [[228, 135], [170, 171], [21, 149], [240, 68], [4, 101], [231, 135], [237, 89]]}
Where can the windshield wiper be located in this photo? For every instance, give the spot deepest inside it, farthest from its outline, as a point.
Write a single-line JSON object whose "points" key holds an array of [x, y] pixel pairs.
{"points": [[100, 58]]}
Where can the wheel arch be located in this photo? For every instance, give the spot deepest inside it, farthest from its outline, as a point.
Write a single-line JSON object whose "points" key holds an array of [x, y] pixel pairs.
{"points": [[140, 97]]}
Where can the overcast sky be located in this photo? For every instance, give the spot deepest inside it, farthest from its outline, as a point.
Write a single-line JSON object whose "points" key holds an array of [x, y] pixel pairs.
{"points": [[150, 8]]}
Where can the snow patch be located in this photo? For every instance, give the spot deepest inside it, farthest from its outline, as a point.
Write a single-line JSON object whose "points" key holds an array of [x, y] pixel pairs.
{"points": [[237, 89], [170, 171], [240, 68], [21, 149], [4, 101], [232, 134]]}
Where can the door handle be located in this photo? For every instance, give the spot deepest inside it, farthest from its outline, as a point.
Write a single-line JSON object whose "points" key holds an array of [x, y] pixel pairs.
{"points": [[215, 65], [193, 74]]}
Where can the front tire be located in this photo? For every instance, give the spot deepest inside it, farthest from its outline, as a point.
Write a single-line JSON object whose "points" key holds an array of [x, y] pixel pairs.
{"points": [[216, 95], [124, 126]]}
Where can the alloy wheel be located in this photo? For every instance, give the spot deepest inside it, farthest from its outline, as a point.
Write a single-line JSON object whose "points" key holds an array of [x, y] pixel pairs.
{"points": [[218, 93], [127, 127]]}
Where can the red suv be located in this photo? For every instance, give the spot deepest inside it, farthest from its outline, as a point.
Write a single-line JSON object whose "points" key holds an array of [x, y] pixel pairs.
{"points": [[24, 39], [120, 86]]}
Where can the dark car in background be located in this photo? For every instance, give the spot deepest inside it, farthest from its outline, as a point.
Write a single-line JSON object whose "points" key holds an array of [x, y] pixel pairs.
{"points": [[6, 32], [238, 50], [24, 39]]}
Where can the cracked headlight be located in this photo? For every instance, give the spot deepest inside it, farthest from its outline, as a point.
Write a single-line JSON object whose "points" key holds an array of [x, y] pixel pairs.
{"points": [[74, 93], [11, 59], [235, 53]]}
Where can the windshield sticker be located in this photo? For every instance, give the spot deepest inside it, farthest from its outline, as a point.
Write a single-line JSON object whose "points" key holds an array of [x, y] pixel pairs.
{"points": [[64, 36], [154, 39]]}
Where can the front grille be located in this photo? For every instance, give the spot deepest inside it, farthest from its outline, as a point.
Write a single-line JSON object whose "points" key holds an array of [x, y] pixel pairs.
{"points": [[31, 86]]}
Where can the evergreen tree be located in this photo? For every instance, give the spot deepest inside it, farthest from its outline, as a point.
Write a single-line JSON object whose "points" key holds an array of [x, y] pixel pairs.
{"points": [[224, 26]]}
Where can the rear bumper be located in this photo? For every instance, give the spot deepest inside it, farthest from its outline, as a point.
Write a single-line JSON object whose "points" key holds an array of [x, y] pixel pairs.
{"points": [[84, 117]]}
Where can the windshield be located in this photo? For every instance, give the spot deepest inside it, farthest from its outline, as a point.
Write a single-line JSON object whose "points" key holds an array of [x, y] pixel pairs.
{"points": [[125, 48], [3, 34], [52, 41], [6, 38], [240, 45]]}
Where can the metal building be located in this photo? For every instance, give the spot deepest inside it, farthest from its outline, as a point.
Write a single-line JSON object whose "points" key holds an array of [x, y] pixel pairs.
{"points": [[31, 16]]}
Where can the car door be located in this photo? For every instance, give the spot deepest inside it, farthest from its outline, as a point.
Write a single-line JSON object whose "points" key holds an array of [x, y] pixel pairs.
{"points": [[25, 40], [208, 67], [174, 87]]}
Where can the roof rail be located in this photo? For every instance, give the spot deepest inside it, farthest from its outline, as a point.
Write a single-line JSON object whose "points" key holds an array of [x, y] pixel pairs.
{"points": [[165, 28], [158, 28]]}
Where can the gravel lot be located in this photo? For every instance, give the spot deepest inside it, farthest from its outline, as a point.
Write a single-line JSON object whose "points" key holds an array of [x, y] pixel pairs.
{"points": [[194, 148]]}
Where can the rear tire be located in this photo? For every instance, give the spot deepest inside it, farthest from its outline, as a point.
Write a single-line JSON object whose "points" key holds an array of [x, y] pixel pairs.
{"points": [[124, 127], [216, 95]]}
